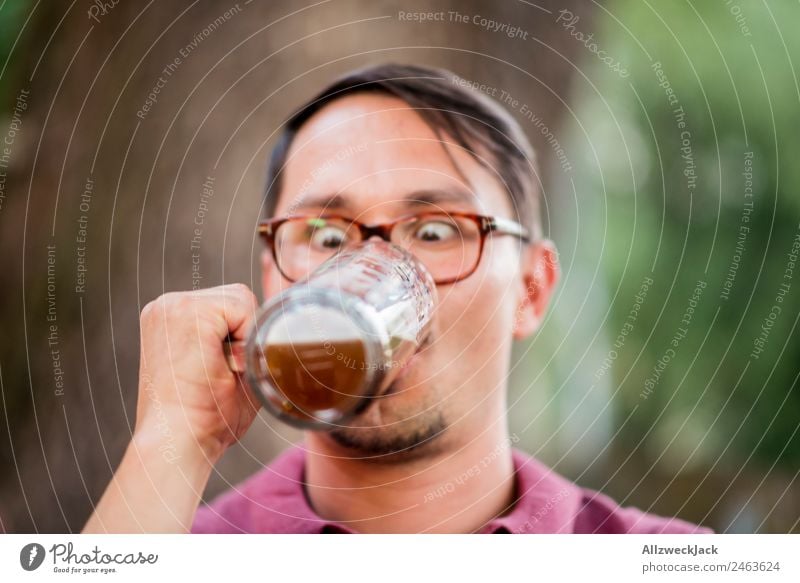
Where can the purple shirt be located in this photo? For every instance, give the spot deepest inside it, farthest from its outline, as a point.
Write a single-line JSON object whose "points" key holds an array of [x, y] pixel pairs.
{"points": [[274, 501]]}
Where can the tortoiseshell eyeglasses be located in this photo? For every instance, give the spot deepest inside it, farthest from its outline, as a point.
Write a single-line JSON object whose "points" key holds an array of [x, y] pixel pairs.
{"points": [[450, 245]]}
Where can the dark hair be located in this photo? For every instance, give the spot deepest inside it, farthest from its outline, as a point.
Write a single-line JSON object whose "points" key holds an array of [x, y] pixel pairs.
{"points": [[448, 104]]}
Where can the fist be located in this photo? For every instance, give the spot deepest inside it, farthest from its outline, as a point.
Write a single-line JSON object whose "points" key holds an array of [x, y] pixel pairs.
{"points": [[186, 389]]}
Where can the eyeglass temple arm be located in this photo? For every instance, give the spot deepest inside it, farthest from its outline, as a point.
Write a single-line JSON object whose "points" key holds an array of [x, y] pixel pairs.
{"points": [[509, 227]]}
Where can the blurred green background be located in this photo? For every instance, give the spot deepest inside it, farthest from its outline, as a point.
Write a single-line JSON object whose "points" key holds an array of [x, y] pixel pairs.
{"points": [[705, 404], [666, 372]]}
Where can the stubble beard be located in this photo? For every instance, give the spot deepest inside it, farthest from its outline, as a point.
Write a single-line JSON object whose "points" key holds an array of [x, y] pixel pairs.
{"points": [[385, 437]]}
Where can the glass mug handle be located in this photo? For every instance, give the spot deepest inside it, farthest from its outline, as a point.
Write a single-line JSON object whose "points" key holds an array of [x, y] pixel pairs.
{"points": [[235, 355]]}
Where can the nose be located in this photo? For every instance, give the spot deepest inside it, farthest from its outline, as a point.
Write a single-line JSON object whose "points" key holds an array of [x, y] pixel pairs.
{"points": [[379, 231]]}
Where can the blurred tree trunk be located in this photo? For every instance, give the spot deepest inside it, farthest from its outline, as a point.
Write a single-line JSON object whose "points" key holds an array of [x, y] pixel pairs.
{"points": [[102, 196]]}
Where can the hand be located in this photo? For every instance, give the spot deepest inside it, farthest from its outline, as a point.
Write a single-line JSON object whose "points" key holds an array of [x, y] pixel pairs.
{"points": [[187, 392]]}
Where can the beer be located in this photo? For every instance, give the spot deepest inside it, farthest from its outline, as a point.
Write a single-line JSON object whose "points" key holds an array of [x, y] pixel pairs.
{"points": [[312, 377]]}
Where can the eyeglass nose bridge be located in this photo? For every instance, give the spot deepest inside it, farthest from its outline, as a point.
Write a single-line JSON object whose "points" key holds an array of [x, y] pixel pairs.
{"points": [[382, 231]]}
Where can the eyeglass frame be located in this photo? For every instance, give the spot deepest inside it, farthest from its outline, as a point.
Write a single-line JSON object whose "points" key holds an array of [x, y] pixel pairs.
{"points": [[486, 224]]}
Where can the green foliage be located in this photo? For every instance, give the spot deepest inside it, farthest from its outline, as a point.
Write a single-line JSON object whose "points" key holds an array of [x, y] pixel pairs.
{"points": [[12, 14], [681, 202]]}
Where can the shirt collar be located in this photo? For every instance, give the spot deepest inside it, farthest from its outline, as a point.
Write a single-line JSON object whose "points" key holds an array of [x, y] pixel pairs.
{"points": [[543, 501]]}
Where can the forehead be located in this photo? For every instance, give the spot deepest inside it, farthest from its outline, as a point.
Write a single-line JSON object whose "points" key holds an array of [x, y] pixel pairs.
{"points": [[373, 150]]}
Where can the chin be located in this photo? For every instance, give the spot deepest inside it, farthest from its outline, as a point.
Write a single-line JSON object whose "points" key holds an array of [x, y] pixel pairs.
{"points": [[399, 426]]}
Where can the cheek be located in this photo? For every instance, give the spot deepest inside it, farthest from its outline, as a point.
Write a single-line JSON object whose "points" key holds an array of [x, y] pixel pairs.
{"points": [[488, 296], [473, 346], [476, 315], [272, 282]]}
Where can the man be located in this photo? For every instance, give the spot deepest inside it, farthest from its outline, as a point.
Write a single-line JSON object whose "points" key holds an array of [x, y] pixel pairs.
{"points": [[435, 454]]}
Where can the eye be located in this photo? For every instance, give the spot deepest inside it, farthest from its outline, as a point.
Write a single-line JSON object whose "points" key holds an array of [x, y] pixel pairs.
{"points": [[325, 236], [436, 230]]}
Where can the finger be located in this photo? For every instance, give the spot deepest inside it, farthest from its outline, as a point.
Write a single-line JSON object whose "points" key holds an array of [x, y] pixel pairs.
{"points": [[235, 303]]}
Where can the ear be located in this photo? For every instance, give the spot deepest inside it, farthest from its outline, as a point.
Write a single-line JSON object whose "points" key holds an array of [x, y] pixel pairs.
{"points": [[540, 273]]}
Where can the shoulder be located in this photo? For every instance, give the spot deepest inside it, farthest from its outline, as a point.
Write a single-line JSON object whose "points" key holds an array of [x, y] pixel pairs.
{"points": [[549, 502], [600, 514], [264, 502]]}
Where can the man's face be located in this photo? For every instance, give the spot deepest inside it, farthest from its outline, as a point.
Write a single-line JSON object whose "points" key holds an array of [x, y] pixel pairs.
{"points": [[368, 157]]}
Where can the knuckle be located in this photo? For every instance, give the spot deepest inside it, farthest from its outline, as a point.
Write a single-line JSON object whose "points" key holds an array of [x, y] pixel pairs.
{"points": [[179, 302], [152, 308], [165, 305], [240, 289], [148, 310], [240, 292]]}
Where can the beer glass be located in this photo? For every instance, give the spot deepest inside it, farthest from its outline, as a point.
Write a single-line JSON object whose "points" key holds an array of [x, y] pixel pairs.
{"points": [[323, 349]]}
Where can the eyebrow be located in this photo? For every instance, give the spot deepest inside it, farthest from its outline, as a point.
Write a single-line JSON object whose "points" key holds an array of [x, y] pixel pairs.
{"points": [[423, 197]]}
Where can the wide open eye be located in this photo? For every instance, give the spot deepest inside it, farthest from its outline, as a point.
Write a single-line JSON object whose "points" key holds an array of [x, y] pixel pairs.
{"points": [[323, 235], [436, 230]]}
